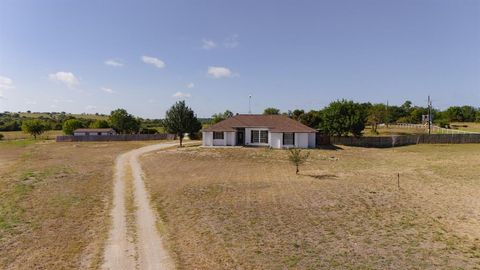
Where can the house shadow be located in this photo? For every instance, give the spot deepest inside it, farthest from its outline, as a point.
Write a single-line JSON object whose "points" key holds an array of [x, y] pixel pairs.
{"points": [[329, 147]]}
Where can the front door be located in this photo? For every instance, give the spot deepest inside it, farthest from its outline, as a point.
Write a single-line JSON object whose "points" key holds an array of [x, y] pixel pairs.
{"points": [[240, 138]]}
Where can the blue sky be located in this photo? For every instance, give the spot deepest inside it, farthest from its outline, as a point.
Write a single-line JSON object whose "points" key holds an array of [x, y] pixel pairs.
{"points": [[95, 56]]}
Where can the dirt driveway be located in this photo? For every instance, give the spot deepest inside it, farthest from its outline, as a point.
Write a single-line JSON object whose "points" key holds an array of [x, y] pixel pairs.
{"points": [[137, 245]]}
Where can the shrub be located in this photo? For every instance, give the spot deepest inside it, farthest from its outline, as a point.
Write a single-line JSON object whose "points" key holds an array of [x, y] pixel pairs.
{"points": [[1, 136], [148, 131]]}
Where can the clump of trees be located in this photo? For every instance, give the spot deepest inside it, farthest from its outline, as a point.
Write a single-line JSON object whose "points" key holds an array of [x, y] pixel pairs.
{"points": [[271, 111], [221, 116], [345, 117], [70, 125], [123, 122], [342, 118], [180, 119]]}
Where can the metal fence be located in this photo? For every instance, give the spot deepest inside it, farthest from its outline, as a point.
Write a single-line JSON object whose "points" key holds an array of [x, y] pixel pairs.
{"points": [[393, 141], [118, 137]]}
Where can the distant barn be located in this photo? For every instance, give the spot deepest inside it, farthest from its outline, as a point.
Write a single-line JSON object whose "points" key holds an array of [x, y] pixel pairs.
{"points": [[94, 132]]}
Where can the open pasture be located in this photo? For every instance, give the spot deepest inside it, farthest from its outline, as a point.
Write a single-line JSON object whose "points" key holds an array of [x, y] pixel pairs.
{"points": [[245, 207]]}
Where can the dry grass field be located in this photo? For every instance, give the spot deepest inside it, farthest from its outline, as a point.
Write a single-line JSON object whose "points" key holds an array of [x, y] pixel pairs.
{"points": [[20, 135], [245, 208], [467, 126], [54, 202]]}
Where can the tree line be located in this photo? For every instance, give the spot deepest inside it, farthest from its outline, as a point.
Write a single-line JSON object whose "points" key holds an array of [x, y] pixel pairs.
{"points": [[179, 119], [346, 117]]}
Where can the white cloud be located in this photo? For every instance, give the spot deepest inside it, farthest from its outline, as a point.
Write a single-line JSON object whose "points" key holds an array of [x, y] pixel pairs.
{"points": [[5, 83], [181, 95], [30, 102], [108, 90], [90, 107], [208, 44], [151, 100], [64, 77], [153, 61], [190, 85], [219, 72], [1, 95], [113, 63], [231, 42]]}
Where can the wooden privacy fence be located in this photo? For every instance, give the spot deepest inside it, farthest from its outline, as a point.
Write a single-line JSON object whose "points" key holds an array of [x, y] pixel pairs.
{"points": [[118, 137], [400, 140]]}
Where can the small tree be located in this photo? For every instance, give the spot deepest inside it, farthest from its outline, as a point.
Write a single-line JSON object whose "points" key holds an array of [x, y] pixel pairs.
{"points": [[180, 119], [33, 127], [298, 158], [270, 111], [70, 125]]}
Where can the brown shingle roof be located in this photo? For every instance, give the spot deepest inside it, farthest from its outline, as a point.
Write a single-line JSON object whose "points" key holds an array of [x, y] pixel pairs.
{"points": [[93, 130], [275, 123]]}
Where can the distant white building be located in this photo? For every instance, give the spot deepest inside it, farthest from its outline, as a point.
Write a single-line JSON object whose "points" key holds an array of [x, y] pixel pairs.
{"points": [[94, 132], [276, 131]]}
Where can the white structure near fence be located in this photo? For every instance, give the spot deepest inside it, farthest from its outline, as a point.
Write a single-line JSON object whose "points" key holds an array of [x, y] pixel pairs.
{"points": [[276, 131], [94, 132], [435, 129]]}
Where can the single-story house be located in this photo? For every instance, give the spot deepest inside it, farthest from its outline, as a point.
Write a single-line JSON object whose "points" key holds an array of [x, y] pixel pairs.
{"points": [[276, 131], [94, 132]]}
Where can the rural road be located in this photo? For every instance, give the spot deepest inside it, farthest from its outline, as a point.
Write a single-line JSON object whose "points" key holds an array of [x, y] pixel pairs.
{"points": [[145, 250]]}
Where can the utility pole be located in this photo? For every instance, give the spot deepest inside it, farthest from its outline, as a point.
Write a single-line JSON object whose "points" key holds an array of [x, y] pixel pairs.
{"points": [[387, 116], [429, 115], [249, 104]]}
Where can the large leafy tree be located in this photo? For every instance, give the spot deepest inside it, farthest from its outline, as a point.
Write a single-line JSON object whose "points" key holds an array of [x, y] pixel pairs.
{"points": [[343, 117], [271, 111], [33, 127], [70, 125], [123, 122], [180, 119]]}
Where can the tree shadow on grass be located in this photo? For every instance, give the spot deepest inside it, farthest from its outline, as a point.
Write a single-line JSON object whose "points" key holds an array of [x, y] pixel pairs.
{"points": [[320, 176]]}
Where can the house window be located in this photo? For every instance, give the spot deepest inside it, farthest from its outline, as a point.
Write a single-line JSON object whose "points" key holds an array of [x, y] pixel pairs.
{"points": [[218, 135], [264, 136], [259, 136], [289, 138]]}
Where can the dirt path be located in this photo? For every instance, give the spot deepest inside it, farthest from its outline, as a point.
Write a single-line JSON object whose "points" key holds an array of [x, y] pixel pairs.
{"points": [[147, 252]]}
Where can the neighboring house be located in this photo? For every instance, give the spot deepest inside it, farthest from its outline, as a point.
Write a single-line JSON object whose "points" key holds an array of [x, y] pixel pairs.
{"points": [[94, 132], [276, 131]]}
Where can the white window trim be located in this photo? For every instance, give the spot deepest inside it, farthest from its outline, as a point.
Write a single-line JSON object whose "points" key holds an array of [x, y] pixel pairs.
{"points": [[260, 143]]}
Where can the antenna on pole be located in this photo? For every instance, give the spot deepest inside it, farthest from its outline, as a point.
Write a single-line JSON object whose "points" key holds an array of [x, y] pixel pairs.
{"points": [[249, 104], [429, 115]]}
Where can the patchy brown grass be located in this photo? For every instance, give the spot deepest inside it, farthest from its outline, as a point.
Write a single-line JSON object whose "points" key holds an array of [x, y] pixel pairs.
{"points": [[20, 135], [54, 200], [466, 126], [246, 208]]}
